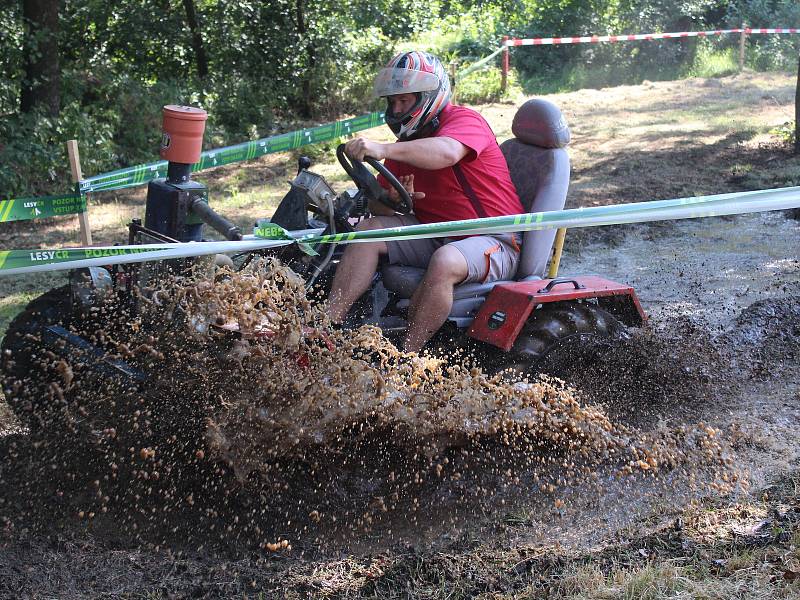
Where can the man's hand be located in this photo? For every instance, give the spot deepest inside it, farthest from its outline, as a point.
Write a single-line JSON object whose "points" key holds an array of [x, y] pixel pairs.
{"points": [[407, 182], [359, 147], [382, 208]]}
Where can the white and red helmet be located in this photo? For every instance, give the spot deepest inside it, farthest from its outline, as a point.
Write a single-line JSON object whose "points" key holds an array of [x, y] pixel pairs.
{"points": [[417, 73]]}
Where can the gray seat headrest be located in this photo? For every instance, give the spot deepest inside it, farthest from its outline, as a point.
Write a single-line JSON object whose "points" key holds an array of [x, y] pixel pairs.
{"points": [[540, 123]]}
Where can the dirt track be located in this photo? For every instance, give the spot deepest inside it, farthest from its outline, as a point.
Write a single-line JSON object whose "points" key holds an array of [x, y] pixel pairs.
{"points": [[722, 348]]}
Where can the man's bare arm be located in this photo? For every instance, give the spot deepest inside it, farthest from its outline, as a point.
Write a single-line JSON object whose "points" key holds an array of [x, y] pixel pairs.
{"points": [[426, 153]]}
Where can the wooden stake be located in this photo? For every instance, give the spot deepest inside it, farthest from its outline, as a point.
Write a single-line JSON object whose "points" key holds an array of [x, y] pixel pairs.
{"points": [[504, 72], [77, 175], [742, 40], [453, 66]]}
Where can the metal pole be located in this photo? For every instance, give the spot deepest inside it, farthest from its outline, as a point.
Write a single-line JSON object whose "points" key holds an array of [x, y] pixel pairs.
{"points": [[742, 40], [552, 272], [504, 79]]}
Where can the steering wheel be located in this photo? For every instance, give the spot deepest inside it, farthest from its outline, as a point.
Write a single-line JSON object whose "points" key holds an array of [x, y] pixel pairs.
{"points": [[368, 184]]}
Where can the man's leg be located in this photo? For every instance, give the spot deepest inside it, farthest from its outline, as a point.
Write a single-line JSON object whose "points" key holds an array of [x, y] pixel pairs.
{"points": [[433, 299], [355, 271]]}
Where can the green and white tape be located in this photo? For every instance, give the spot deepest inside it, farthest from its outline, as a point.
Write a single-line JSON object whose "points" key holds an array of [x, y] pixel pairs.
{"points": [[14, 262], [25, 209], [618, 214], [26, 261], [478, 65], [141, 174]]}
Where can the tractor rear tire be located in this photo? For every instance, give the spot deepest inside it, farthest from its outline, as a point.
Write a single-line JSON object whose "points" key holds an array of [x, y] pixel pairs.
{"points": [[27, 367], [551, 334]]}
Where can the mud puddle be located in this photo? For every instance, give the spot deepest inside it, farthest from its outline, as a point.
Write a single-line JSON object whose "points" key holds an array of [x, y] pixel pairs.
{"points": [[291, 427], [723, 295], [320, 444]]}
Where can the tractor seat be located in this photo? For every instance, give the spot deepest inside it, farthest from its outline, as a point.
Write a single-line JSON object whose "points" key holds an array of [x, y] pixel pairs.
{"points": [[539, 167]]}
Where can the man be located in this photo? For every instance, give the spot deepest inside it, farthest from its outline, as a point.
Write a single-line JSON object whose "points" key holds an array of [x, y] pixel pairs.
{"points": [[448, 160]]}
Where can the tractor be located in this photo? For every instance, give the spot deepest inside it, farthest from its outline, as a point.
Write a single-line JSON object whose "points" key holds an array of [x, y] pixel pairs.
{"points": [[510, 325]]}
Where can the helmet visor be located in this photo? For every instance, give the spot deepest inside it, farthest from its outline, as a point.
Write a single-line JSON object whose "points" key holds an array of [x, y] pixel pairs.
{"points": [[392, 81]]}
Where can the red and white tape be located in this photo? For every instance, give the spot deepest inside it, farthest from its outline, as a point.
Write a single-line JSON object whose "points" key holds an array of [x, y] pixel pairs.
{"points": [[639, 36]]}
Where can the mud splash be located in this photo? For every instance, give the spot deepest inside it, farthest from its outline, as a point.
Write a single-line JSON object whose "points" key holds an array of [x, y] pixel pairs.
{"points": [[258, 421], [304, 385], [648, 377]]}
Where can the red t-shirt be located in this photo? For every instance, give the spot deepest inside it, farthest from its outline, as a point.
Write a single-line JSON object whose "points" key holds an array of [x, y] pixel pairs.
{"points": [[484, 168]]}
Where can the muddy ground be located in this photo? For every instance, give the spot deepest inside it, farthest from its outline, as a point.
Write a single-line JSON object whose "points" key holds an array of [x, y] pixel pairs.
{"points": [[720, 351]]}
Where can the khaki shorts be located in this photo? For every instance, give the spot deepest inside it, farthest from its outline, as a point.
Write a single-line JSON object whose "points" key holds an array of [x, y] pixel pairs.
{"points": [[489, 258]]}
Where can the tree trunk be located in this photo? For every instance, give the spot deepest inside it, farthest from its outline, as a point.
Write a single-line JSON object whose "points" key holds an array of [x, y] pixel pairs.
{"points": [[797, 111], [302, 30], [42, 83], [795, 212], [197, 39]]}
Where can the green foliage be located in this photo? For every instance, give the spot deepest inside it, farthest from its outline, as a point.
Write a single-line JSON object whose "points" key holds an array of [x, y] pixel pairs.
{"points": [[464, 34], [481, 87], [318, 152], [365, 51], [773, 53], [710, 61], [465, 38], [785, 133], [764, 13], [768, 52], [26, 152], [240, 107], [344, 85], [11, 56], [33, 156], [274, 65], [96, 112]]}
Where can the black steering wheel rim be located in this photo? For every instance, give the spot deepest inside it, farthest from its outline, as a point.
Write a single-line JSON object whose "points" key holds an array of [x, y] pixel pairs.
{"points": [[369, 185]]}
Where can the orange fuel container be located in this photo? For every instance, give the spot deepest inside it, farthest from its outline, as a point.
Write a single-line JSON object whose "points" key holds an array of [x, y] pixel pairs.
{"points": [[183, 130]]}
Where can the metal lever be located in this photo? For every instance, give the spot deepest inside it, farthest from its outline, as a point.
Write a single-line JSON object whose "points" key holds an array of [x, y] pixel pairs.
{"points": [[210, 217]]}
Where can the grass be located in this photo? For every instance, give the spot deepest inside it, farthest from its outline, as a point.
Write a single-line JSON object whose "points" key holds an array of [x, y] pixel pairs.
{"points": [[11, 305], [709, 62], [18, 291]]}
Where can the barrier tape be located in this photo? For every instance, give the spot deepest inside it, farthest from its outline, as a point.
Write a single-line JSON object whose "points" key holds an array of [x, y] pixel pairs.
{"points": [[592, 39], [478, 64], [26, 261], [13, 262], [619, 214], [141, 174], [25, 209]]}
